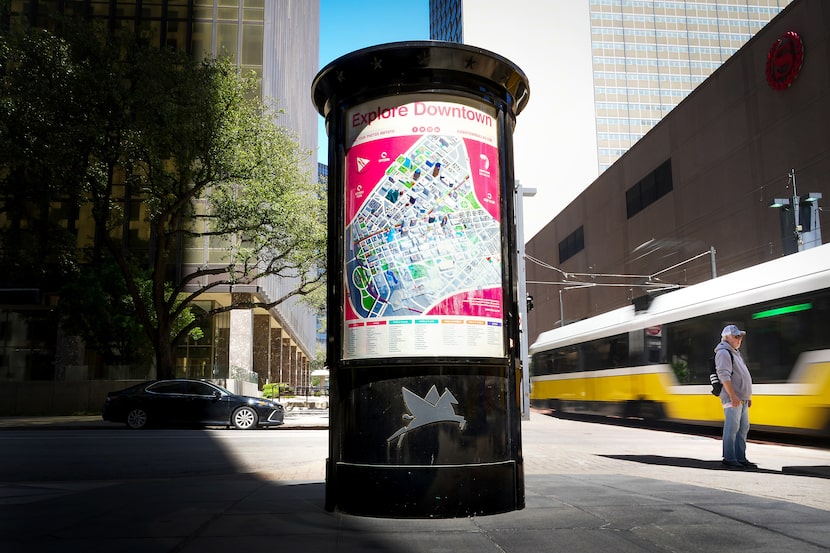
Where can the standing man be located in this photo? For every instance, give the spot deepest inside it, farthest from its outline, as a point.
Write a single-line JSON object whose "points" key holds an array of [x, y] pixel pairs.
{"points": [[736, 397]]}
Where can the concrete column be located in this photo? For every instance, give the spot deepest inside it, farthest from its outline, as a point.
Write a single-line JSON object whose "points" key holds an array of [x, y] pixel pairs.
{"points": [[274, 365], [295, 366], [241, 337], [285, 362], [262, 347]]}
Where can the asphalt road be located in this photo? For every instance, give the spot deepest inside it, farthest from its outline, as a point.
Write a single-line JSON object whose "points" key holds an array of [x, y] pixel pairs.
{"points": [[119, 453]]}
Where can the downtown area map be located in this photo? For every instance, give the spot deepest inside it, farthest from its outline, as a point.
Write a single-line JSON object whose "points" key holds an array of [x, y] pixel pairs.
{"points": [[422, 242]]}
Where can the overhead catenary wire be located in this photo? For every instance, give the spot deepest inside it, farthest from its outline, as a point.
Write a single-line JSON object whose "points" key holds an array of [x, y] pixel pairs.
{"points": [[582, 284]]}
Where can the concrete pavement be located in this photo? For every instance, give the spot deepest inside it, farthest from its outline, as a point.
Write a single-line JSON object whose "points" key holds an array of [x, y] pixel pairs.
{"points": [[588, 487]]}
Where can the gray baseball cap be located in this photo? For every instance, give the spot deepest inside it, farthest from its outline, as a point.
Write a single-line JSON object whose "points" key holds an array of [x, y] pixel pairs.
{"points": [[732, 330]]}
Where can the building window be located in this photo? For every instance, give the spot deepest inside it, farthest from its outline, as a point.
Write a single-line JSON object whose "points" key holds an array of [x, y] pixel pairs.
{"points": [[572, 245], [651, 188]]}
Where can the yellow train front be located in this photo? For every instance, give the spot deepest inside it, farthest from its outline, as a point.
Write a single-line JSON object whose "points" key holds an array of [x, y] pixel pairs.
{"points": [[653, 364]]}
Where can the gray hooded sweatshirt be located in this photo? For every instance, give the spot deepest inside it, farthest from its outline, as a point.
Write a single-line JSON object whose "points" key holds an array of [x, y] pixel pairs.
{"points": [[732, 369]]}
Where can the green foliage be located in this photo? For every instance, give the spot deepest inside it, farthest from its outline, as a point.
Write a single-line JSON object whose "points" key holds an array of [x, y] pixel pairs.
{"points": [[680, 366], [43, 139], [319, 361], [277, 389], [185, 318], [98, 121], [95, 304]]}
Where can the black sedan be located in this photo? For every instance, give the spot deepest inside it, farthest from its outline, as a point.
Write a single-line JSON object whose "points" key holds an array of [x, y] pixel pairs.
{"points": [[189, 402]]}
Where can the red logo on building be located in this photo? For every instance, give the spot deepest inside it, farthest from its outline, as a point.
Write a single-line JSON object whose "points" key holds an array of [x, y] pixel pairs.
{"points": [[784, 60]]}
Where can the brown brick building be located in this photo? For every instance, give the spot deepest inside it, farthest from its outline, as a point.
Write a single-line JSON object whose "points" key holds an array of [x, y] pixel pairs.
{"points": [[693, 197]]}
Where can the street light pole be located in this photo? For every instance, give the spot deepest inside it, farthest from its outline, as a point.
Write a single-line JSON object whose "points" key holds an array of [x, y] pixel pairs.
{"points": [[796, 212], [521, 292]]}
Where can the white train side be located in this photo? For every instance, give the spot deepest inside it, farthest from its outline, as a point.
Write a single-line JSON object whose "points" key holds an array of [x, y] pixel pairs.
{"points": [[653, 364]]}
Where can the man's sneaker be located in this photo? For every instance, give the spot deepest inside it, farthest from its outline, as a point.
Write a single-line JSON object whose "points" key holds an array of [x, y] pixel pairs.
{"points": [[732, 464], [748, 464]]}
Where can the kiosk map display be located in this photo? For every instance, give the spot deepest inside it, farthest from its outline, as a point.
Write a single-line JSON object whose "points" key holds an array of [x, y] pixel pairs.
{"points": [[423, 268]]}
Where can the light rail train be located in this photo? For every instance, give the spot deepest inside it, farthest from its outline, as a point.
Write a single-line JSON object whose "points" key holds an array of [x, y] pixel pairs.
{"points": [[652, 364]]}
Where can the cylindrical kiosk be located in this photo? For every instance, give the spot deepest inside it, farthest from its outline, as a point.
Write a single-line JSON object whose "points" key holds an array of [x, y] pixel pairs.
{"points": [[423, 329]]}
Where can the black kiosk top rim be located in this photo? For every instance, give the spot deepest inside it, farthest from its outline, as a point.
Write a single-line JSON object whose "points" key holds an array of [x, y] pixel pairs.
{"points": [[418, 64]]}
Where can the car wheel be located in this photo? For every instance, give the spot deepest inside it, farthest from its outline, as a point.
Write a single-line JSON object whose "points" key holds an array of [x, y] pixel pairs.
{"points": [[137, 418], [245, 418]]}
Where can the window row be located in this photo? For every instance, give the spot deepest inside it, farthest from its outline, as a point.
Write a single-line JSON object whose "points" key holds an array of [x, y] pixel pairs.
{"points": [[613, 37], [605, 93], [623, 51], [625, 107], [686, 17], [682, 78], [627, 62], [772, 7]]}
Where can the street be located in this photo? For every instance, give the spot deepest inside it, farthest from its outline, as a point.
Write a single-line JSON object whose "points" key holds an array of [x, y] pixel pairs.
{"points": [[119, 453]]}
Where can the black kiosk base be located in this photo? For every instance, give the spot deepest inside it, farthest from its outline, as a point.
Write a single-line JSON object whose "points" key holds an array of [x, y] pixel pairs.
{"points": [[427, 491]]}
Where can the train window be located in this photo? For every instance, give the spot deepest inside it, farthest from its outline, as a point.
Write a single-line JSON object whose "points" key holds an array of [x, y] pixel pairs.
{"points": [[689, 345], [563, 360], [618, 351], [605, 353], [777, 333], [566, 360], [591, 355]]}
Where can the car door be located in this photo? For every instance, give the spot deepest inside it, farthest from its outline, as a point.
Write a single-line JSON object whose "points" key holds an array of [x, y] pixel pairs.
{"points": [[208, 405], [166, 402]]}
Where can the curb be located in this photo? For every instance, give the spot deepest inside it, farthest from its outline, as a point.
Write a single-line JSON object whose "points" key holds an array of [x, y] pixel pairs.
{"points": [[96, 423]]}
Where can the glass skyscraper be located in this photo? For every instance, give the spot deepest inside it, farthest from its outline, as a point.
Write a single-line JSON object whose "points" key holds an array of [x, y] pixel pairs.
{"points": [[648, 56]]}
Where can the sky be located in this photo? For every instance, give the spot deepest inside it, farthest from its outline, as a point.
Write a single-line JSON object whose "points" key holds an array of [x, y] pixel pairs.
{"points": [[556, 112], [349, 25]]}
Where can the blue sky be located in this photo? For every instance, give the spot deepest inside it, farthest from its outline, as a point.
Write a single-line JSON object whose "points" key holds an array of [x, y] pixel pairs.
{"points": [[349, 25]]}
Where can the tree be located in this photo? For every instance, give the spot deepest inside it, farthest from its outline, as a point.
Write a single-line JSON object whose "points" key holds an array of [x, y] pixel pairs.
{"points": [[45, 146], [189, 140], [210, 162]]}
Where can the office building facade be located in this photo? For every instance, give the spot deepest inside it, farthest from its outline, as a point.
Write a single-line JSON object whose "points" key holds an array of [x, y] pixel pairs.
{"points": [[279, 42]]}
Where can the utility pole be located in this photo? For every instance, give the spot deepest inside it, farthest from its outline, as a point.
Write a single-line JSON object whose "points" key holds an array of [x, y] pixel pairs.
{"points": [[520, 193]]}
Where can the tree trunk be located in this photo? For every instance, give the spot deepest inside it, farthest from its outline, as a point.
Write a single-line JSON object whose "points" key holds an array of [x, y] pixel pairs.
{"points": [[164, 357]]}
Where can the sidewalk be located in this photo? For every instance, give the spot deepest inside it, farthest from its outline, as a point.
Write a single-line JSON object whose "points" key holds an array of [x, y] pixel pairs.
{"points": [[588, 488]]}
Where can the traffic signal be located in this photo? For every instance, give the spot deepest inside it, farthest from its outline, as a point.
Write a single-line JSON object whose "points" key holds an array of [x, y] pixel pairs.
{"points": [[529, 303]]}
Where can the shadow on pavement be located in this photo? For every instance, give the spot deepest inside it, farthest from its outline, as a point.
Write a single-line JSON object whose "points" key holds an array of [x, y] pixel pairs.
{"points": [[161, 490], [712, 431], [687, 462]]}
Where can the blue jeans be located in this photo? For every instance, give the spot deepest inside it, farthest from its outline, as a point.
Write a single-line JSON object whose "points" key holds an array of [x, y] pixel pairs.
{"points": [[735, 429]]}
